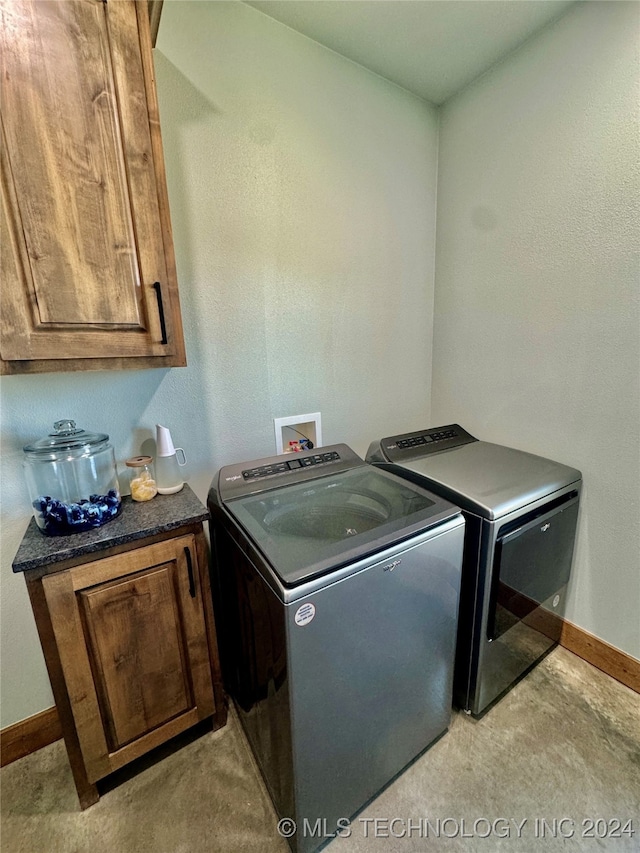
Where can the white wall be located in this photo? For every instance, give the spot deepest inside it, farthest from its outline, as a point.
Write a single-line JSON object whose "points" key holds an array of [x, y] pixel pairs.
{"points": [[537, 320], [302, 193]]}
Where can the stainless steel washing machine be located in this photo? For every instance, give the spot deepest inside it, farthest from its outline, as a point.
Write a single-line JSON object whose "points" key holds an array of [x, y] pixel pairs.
{"points": [[336, 589], [521, 513]]}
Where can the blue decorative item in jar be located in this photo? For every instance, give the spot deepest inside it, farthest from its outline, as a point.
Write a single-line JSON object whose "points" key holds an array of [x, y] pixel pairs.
{"points": [[72, 480]]}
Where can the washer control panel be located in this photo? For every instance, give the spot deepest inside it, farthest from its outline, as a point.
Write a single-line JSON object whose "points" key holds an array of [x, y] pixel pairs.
{"points": [[291, 465], [433, 440], [274, 472]]}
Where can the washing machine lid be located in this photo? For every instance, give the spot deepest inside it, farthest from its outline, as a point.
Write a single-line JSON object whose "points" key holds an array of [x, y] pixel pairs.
{"points": [[307, 523], [488, 479]]}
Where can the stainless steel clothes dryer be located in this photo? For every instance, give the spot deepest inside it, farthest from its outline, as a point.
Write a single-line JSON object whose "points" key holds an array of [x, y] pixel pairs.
{"points": [[520, 512], [336, 589]]}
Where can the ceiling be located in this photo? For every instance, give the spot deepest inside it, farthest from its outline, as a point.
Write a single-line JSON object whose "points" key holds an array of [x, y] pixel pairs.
{"points": [[433, 48]]}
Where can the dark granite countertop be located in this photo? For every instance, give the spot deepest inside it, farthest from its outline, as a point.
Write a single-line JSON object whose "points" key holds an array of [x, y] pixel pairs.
{"points": [[136, 521]]}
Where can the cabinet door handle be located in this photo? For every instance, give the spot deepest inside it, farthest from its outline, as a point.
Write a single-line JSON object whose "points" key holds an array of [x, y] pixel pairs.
{"points": [[192, 583], [163, 328]]}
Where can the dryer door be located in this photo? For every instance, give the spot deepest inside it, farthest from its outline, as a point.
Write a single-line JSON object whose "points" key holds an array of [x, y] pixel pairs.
{"points": [[526, 599], [531, 566]]}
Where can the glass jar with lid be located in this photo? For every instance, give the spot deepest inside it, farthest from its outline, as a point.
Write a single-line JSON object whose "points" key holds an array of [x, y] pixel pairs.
{"points": [[142, 480], [72, 480]]}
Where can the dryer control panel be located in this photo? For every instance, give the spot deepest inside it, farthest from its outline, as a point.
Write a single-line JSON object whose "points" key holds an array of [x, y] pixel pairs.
{"points": [[411, 445]]}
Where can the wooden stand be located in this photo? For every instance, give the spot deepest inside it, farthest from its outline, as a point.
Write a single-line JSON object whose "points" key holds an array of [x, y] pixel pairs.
{"points": [[130, 646]]}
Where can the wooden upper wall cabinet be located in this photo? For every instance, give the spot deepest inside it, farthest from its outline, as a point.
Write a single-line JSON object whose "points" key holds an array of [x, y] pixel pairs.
{"points": [[88, 270]]}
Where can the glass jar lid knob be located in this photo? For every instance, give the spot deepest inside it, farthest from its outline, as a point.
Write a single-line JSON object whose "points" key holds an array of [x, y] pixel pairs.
{"points": [[66, 427]]}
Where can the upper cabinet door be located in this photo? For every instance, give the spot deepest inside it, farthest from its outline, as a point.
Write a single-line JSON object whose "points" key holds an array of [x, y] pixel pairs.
{"points": [[88, 272]]}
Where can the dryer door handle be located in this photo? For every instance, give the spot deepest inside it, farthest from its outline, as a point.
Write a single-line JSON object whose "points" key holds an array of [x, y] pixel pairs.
{"points": [[539, 520]]}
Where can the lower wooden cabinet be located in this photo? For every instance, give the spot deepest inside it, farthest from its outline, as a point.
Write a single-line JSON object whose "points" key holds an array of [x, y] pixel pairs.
{"points": [[130, 644]]}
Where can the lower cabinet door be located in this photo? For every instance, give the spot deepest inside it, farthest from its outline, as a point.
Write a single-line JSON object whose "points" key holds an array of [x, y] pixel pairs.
{"points": [[132, 642]]}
